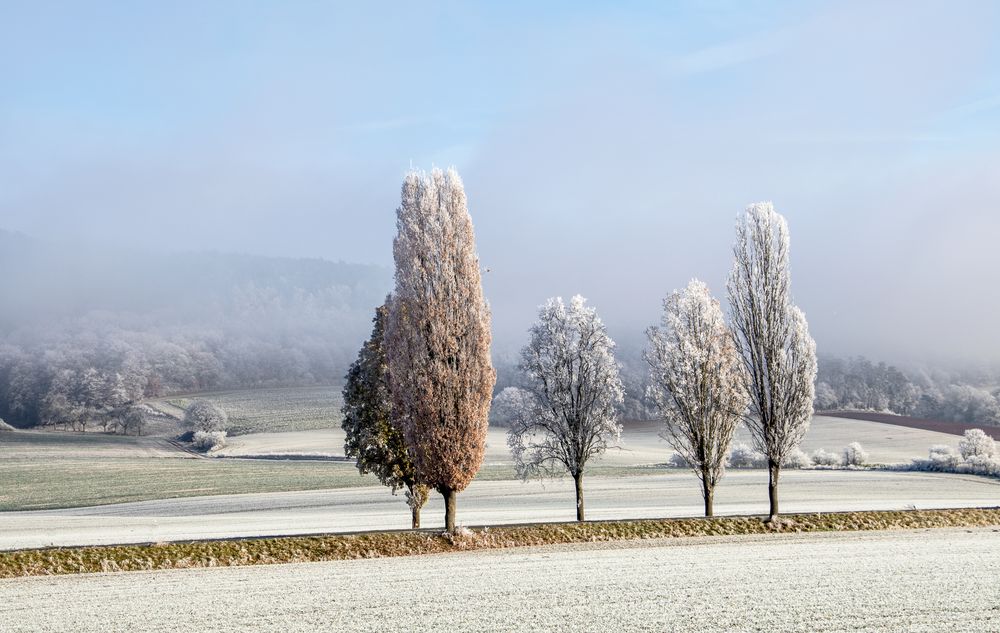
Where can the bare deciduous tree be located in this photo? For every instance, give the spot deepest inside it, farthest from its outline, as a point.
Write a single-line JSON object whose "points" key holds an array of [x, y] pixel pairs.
{"points": [[573, 382], [773, 339], [375, 443], [697, 382], [438, 336]]}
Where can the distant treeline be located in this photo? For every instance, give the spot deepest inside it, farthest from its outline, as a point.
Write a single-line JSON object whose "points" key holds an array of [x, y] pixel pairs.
{"points": [[971, 396], [74, 350]]}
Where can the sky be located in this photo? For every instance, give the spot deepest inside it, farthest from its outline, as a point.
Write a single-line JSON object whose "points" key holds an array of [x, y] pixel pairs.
{"points": [[606, 148]]}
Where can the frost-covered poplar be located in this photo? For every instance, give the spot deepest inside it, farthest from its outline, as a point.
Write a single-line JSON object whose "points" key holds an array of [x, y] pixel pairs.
{"points": [[572, 388], [438, 336], [773, 339], [372, 437], [697, 382]]}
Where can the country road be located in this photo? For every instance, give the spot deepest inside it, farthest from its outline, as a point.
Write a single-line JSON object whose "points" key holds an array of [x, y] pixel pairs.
{"points": [[486, 502], [914, 581]]}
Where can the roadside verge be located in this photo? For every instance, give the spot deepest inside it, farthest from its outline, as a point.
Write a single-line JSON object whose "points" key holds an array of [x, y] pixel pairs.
{"points": [[298, 549]]}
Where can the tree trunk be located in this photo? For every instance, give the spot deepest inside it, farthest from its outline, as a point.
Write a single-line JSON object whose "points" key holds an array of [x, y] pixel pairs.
{"points": [[449, 509], [415, 516], [709, 495], [578, 478], [772, 487]]}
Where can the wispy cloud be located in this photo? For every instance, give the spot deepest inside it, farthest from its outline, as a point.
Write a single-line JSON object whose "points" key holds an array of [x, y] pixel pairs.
{"points": [[732, 53], [978, 106]]}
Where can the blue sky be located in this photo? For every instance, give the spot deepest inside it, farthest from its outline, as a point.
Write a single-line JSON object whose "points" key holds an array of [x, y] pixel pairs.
{"points": [[606, 148]]}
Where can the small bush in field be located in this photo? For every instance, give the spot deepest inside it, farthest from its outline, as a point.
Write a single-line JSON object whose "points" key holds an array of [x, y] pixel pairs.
{"points": [[677, 461], [942, 457], [821, 457], [854, 455], [983, 465], [206, 441], [742, 456], [797, 458]]}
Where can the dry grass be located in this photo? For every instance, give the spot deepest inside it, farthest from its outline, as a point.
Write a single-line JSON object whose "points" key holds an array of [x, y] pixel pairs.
{"points": [[386, 544]]}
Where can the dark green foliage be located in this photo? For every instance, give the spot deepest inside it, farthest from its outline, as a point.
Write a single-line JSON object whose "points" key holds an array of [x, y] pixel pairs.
{"points": [[372, 439]]}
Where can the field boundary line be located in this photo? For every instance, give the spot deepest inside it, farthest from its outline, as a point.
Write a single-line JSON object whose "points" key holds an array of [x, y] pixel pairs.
{"points": [[384, 544]]}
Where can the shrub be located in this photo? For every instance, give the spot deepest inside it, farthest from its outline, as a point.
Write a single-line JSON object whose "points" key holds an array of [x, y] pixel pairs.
{"points": [[677, 461], [202, 415], [942, 457], [946, 459], [976, 443], [821, 457], [742, 456], [796, 458], [983, 465], [206, 441], [854, 455]]}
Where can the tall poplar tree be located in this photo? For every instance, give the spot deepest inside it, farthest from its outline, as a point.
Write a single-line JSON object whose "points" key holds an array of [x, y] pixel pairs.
{"points": [[438, 336], [773, 340]]}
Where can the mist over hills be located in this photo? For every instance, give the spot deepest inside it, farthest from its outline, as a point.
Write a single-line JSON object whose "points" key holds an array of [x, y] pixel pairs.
{"points": [[107, 326], [86, 329], [45, 282]]}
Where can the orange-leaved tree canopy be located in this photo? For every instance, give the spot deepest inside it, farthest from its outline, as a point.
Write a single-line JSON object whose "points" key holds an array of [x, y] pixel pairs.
{"points": [[438, 336]]}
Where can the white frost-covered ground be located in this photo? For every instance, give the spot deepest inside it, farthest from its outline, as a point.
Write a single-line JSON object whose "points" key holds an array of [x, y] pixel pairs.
{"points": [[885, 443], [487, 502], [926, 580]]}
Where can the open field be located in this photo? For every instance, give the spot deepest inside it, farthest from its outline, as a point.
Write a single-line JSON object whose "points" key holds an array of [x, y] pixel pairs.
{"points": [[941, 426], [64, 483], [268, 410], [58, 470], [671, 494], [814, 582], [55, 469], [640, 445], [52, 446]]}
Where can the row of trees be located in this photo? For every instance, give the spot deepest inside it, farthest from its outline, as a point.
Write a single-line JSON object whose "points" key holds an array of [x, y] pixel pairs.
{"points": [[417, 399]]}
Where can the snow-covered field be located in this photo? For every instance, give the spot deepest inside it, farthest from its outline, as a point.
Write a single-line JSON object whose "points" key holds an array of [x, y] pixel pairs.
{"points": [[921, 580], [487, 502], [267, 410], [640, 444], [45, 446]]}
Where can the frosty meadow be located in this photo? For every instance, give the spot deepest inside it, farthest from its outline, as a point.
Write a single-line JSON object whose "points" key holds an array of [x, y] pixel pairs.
{"points": [[472, 316]]}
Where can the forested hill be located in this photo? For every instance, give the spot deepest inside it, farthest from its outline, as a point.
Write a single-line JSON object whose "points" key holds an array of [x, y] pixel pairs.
{"points": [[84, 327]]}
